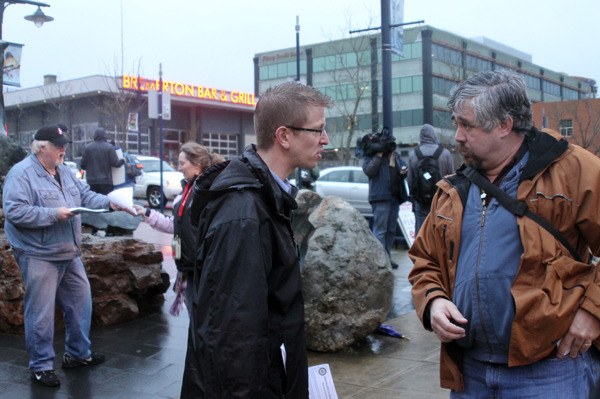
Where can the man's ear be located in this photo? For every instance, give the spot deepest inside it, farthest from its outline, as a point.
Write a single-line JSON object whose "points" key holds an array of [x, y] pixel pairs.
{"points": [[282, 135], [506, 127]]}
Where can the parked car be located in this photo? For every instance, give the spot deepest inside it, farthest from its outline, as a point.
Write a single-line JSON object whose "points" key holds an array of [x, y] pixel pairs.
{"points": [[78, 173], [147, 184], [347, 182], [352, 185]]}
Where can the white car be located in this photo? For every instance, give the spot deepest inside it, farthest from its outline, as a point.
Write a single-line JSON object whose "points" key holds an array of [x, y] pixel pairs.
{"points": [[78, 173], [347, 182], [147, 185]]}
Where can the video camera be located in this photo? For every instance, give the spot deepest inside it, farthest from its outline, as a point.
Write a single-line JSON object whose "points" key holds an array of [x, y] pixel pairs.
{"points": [[371, 144]]}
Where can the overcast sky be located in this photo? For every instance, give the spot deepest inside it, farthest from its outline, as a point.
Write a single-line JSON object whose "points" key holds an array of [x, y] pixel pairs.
{"points": [[212, 43]]}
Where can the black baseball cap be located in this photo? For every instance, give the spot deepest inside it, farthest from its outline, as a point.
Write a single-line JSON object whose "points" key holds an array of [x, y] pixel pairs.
{"points": [[53, 134], [63, 127]]}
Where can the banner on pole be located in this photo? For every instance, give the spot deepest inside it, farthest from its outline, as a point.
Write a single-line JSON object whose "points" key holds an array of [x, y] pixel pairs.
{"points": [[132, 122], [12, 65], [397, 32]]}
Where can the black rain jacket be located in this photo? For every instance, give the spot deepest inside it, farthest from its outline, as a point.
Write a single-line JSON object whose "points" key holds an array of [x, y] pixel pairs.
{"points": [[247, 296]]}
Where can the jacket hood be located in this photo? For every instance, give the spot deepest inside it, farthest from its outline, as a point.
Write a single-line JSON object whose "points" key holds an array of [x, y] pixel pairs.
{"points": [[543, 150], [428, 135], [100, 135], [248, 172]]}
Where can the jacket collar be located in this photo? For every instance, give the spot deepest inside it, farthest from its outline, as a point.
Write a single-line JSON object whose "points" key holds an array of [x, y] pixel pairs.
{"points": [[543, 150]]}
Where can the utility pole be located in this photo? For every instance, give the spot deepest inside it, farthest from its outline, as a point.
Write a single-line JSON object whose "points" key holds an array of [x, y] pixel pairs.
{"points": [[386, 61]]}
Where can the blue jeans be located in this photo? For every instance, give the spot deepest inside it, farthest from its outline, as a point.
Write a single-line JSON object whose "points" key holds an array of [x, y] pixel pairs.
{"points": [[551, 378], [385, 218], [65, 284], [421, 212]]}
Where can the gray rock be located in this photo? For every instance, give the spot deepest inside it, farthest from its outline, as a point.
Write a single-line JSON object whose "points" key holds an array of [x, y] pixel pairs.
{"points": [[125, 275], [346, 276], [307, 202], [118, 219]]}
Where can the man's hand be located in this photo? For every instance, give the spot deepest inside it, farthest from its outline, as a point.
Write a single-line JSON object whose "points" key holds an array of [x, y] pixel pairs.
{"points": [[139, 210], [64, 214], [584, 329], [444, 315], [115, 207]]}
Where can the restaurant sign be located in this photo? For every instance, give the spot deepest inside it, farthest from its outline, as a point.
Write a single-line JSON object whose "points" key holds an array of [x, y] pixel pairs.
{"points": [[135, 83]]}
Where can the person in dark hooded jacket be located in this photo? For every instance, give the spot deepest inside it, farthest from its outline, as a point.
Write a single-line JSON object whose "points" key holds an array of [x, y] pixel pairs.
{"points": [[98, 158], [247, 337], [429, 143]]}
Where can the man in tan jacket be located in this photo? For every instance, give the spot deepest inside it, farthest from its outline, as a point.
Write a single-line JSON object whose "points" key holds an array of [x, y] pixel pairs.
{"points": [[517, 311]]}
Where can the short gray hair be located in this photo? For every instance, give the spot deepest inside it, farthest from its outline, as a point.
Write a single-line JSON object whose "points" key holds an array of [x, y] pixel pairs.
{"points": [[495, 96], [36, 145]]}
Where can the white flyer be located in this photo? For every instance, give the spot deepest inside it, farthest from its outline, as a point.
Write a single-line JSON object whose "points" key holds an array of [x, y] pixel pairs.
{"points": [[406, 220], [320, 383], [123, 198]]}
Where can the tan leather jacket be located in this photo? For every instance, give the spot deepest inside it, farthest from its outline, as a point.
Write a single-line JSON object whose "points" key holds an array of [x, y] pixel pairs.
{"points": [[560, 183]]}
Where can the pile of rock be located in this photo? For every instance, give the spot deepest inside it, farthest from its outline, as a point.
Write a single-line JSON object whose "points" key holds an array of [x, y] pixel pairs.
{"points": [[125, 275]]}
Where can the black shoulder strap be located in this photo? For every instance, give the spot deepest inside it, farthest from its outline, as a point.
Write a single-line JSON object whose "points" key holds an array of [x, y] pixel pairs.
{"points": [[438, 152], [419, 153], [517, 207]]}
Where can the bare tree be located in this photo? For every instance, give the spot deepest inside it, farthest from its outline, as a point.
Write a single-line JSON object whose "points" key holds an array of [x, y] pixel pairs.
{"points": [[115, 106], [58, 102], [350, 67], [585, 117]]}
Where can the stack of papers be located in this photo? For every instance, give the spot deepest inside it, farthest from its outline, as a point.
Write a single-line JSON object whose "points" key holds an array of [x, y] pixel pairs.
{"points": [[79, 210], [123, 198]]}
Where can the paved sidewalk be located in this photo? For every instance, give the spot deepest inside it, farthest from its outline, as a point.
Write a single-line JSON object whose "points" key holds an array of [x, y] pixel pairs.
{"points": [[145, 357]]}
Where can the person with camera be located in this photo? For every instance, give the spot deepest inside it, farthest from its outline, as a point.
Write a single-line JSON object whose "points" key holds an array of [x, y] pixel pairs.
{"points": [[386, 172]]}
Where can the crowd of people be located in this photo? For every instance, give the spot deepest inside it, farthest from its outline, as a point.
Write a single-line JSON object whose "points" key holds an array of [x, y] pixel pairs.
{"points": [[503, 271]]}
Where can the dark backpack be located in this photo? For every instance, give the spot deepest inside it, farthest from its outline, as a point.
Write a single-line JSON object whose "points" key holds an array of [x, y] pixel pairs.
{"points": [[426, 176]]}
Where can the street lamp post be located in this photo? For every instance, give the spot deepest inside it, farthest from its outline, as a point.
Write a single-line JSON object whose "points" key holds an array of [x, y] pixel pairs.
{"points": [[298, 170], [38, 18]]}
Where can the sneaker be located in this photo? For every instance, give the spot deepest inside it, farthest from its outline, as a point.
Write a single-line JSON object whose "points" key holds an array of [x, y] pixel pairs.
{"points": [[394, 265], [69, 362], [46, 378]]}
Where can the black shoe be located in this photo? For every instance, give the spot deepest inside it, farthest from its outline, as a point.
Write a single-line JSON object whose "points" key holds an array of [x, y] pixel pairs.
{"points": [[69, 362], [394, 265], [46, 378]]}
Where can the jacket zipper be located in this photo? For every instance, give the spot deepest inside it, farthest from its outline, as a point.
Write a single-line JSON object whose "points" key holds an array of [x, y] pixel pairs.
{"points": [[477, 269]]}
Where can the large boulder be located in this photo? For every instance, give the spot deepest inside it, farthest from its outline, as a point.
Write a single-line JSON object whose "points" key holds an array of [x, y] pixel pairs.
{"points": [[346, 275], [126, 276], [121, 221]]}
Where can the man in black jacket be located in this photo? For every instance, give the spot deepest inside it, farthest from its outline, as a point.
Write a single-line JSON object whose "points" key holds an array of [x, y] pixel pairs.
{"points": [[99, 157], [247, 336]]}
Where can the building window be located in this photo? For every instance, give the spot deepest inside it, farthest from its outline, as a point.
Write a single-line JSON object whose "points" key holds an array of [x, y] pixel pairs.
{"points": [[566, 127], [446, 55], [551, 88], [532, 82], [570, 94], [478, 64], [442, 86], [410, 50], [222, 143]]}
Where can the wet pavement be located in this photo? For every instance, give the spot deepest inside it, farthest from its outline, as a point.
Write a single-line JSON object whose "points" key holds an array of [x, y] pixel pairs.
{"points": [[145, 357]]}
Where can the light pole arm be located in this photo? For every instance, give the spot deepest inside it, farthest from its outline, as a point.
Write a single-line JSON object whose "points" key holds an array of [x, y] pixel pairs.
{"points": [[33, 3]]}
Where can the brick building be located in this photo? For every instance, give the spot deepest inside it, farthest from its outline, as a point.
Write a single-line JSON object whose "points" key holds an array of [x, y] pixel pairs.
{"points": [[576, 120]]}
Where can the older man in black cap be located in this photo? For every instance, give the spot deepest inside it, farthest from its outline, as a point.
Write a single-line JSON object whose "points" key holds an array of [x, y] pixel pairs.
{"points": [[45, 236]]}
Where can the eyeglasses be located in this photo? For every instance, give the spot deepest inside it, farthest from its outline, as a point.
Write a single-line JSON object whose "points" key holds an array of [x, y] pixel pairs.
{"points": [[305, 129]]}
